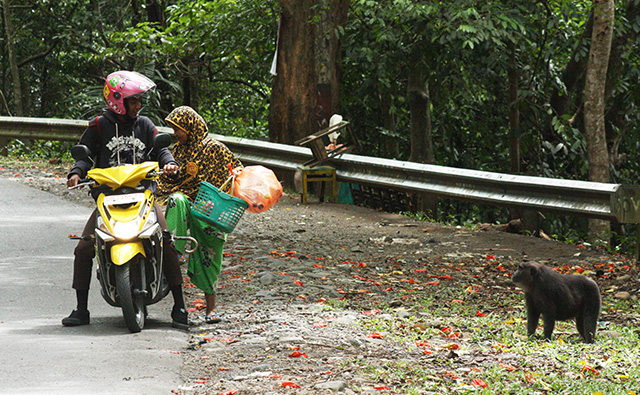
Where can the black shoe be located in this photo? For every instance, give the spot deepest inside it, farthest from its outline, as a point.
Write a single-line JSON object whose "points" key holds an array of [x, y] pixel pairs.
{"points": [[180, 318], [77, 318]]}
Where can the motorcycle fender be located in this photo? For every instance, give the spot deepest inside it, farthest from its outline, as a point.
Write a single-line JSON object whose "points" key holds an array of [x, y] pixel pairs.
{"points": [[123, 253]]}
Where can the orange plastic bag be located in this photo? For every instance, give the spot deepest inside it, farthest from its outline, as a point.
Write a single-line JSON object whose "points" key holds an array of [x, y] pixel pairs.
{"points": [[257, 186]]}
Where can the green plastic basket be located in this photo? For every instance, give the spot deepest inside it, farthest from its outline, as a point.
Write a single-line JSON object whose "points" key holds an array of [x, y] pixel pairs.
{"points": [[217, 208]]}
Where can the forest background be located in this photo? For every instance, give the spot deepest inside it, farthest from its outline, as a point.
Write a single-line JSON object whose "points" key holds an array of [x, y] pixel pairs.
{"points": [[543, 88]]}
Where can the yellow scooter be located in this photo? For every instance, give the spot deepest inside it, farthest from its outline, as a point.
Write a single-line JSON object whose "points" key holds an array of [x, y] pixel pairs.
{"points": [[128, 237]]}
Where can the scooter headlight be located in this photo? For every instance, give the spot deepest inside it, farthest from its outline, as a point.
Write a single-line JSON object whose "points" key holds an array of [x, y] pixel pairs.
{"points": [[126, 230]]}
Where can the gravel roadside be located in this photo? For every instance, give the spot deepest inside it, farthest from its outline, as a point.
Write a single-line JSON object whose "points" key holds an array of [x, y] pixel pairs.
{"points": [[299, 282]]}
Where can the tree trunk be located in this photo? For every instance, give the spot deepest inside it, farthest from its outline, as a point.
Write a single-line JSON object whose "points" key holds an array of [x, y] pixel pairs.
{"points": [[330, 15], [594, 103], [564, 101], [616, 117], [421, 141], [514, 114], [529, 218], [293, 96], [13, 63], [419, 107], [392, 146]]}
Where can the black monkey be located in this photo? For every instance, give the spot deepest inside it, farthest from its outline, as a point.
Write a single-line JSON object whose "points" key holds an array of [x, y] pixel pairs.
{"points": [[558, 297]]}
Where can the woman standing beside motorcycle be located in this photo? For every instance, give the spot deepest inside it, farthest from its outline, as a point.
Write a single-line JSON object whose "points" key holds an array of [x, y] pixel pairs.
{"points": [[201, 158], [121, 136]]}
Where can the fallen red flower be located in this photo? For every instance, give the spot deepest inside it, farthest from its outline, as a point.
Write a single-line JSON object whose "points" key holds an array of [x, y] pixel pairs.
{"points": [[506, 367], [451, 375], [290, 384], [479, 383], [451, 346]]}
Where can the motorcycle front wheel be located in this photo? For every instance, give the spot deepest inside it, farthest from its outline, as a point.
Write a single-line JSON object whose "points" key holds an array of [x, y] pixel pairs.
{"points": [[132, 302]]}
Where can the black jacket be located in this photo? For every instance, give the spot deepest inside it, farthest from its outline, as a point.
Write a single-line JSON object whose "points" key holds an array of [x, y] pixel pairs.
{"points": [[109, 139], [112, 141]]}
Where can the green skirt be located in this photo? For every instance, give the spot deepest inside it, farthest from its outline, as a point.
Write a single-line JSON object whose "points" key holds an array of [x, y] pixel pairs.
{"points": [[205, 263]]}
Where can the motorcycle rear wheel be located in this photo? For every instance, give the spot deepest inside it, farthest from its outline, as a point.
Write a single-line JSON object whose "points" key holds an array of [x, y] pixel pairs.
{"points": [[132, 303]]}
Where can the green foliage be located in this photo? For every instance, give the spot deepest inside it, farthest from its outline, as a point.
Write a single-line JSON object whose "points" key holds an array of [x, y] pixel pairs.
{"points": [[221, 51], [39, 149], [216, 55]]}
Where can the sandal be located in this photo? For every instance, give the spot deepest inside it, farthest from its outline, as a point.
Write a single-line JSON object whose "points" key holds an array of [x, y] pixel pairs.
{"points": [[212, 318]]}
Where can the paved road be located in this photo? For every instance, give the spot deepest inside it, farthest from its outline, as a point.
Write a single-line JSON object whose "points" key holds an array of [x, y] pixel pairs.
{"points": [[40, 356]]}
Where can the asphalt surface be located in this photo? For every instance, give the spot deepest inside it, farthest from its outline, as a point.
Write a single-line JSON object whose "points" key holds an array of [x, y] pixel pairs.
{"points": [[40, 356]]}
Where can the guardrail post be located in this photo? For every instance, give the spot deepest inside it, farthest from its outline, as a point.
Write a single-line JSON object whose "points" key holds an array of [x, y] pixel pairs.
{"points": [[3, 145], [637, 243], [426, 203]]}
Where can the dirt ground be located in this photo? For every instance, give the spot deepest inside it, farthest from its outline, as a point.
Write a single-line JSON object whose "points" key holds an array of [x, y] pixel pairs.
{"points": [[299, 281]]}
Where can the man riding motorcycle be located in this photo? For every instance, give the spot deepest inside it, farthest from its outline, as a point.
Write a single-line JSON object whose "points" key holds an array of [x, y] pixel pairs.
{"points": [[121, 136]]}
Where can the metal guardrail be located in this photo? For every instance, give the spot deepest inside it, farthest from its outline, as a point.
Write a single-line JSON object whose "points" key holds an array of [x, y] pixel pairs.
{"points": [[613, 202]]}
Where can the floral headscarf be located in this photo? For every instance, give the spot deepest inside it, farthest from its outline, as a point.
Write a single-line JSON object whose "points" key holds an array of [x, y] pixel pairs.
{"points": [[202, 158]]}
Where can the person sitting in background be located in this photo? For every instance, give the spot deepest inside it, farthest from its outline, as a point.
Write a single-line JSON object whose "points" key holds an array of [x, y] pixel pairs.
{"points": [[201, 158]]}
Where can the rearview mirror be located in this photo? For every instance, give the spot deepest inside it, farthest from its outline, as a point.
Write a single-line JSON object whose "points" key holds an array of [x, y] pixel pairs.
{"points": [[80, 152], [161, 140]]}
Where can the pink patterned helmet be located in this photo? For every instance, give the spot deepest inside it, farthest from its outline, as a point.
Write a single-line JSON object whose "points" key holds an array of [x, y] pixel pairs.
{"points": [[123, 84]]}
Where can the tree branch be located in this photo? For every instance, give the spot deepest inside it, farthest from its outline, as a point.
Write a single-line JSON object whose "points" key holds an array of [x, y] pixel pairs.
{"points": [[252, 87], [39, 55]]}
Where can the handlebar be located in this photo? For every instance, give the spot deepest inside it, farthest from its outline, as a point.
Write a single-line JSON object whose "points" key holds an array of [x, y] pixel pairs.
{"points": [[153, 173], [150, 175], [82, 183]]}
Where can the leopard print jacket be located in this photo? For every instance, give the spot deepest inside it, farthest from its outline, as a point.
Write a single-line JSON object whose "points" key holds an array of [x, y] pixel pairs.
{"points": [[202, 158]]}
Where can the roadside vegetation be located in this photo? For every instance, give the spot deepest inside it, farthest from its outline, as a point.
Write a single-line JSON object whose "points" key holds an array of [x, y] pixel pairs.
{"points": [[472, 338]]}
